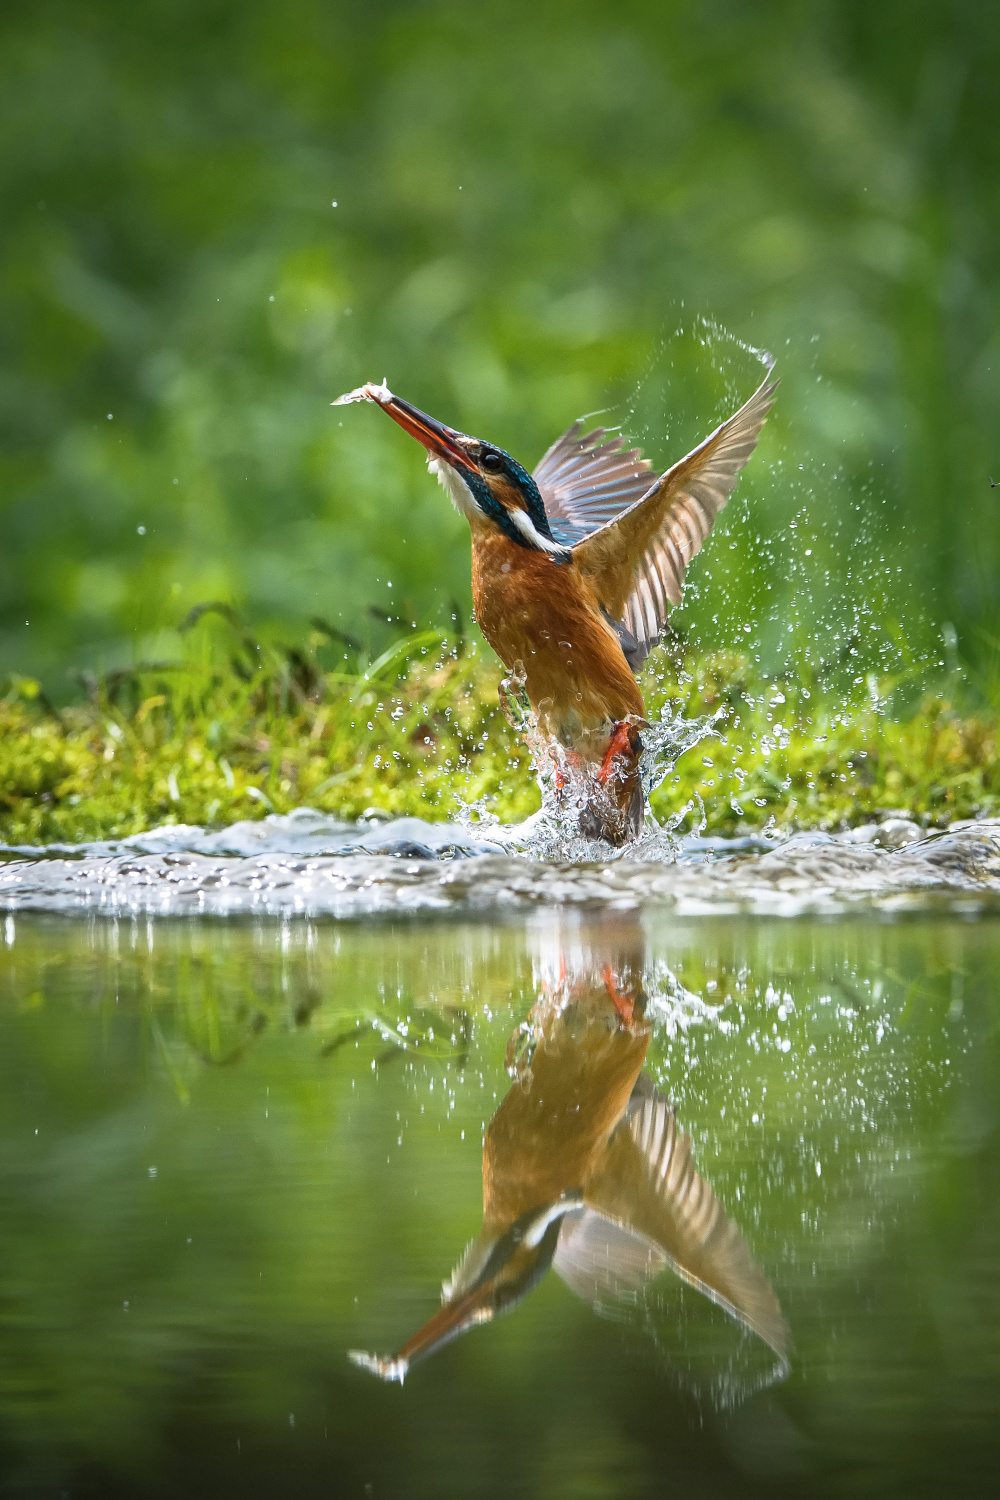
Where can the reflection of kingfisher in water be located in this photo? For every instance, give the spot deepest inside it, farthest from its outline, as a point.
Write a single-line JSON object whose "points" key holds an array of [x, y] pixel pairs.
{"points": [[585, 1168], [574, 568]]}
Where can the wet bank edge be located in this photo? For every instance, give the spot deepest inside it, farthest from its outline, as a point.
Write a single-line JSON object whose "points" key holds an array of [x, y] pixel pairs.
{"points": [[307, 864]]}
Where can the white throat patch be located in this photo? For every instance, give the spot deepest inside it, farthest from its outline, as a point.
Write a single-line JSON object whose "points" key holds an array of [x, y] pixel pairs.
{"points": [[530, 532], [464, 502], [455, 487]]}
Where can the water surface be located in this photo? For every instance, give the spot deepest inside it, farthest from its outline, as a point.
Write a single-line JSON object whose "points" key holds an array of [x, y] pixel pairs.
{"points": [[310, 864], [234, 1152]]}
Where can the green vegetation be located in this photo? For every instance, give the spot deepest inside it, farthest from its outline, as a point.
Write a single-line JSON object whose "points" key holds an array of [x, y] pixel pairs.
{"points": [[217, 217], [237, 729], [801, 755]]}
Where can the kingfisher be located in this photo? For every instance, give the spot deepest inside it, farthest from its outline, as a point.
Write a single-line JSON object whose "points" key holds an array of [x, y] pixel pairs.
{"points": [[586, 1169], [574, 570]]}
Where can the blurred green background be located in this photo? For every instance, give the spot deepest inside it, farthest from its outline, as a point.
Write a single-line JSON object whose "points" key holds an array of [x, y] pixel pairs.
{"points": [[217, 216]]}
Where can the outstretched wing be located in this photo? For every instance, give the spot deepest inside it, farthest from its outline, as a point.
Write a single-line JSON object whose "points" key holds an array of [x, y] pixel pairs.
{"points": [[647, 1207], [586, 481], [637, 560]]}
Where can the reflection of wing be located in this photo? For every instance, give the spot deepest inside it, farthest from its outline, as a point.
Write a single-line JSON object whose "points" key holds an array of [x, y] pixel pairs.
{"points": [[585, 482], [599, 1259], [637, 560], [649, 1207]]}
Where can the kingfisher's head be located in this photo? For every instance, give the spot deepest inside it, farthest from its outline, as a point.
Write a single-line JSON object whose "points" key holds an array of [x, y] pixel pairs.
{"points": [[483, 481]]}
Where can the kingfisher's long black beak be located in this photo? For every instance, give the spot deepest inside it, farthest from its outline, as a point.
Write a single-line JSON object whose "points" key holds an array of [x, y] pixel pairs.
{"points": [[449, 1322], [439, 440], [514, 1264]]}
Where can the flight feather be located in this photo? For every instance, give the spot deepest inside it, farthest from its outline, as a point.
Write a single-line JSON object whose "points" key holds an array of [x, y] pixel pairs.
{"points": [[637, 559], [649, 1186], [586, 481]]}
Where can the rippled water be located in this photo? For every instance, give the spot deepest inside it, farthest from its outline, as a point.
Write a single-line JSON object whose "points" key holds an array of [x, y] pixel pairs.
{"points": [[730, 1189], [309, 864]]}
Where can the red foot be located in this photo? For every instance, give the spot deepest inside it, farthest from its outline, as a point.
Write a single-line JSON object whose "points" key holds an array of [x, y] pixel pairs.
{"points": [[620, 744], [623, 1004]]}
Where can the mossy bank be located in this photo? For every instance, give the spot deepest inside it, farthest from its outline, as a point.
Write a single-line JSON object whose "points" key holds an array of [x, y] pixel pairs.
{"points": [[215, 738]]}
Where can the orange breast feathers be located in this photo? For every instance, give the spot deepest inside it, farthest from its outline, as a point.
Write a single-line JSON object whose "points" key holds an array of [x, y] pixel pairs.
{"points": [[546, 615], [551, 1130]]}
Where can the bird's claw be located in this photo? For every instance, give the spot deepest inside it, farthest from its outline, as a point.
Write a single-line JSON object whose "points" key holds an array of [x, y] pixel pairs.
{"points": [[620, 746], [623, 1004]]}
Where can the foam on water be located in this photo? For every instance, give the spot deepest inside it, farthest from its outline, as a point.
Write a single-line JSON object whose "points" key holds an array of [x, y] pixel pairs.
{"points": [[310, 864]]}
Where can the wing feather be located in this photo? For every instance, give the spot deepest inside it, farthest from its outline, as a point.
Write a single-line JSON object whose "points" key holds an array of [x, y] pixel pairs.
{"points": [[656, 586], [648, 1186], [661, 530], [602, 1261], [586, 481]]}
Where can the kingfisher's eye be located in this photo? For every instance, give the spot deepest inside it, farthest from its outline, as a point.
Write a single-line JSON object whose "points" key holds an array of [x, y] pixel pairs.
{"points": [[491, 461]]}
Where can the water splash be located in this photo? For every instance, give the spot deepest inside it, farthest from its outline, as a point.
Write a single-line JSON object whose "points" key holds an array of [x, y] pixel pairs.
{"points": [[572, 793], [672, 1007], [178, 871]]}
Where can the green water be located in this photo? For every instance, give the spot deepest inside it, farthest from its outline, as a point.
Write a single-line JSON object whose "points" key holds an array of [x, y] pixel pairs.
{"points": [[231, 1154]]}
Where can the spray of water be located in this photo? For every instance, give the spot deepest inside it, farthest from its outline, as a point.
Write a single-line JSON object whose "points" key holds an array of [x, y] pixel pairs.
{"points": [[572, 794]]}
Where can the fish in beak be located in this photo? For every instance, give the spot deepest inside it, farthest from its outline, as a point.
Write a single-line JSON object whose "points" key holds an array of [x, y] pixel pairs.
{"points": [[439, 440]]}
